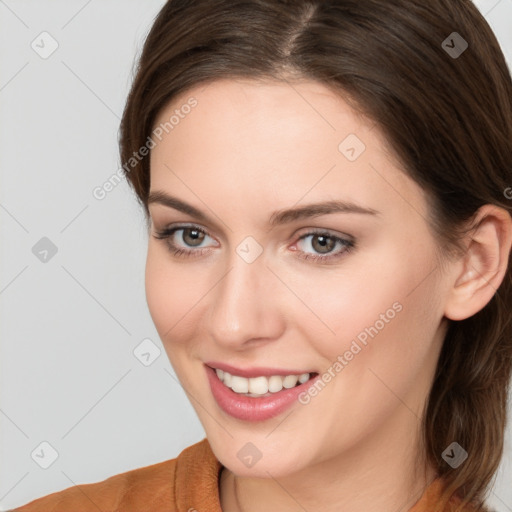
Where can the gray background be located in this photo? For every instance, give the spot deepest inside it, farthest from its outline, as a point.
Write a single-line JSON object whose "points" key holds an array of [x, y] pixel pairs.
{"points": [[70, 324]]}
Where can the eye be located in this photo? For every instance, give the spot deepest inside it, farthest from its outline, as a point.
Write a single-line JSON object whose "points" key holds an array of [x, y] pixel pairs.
{"points": [[191, 236], [324, 244], [186, 241]]}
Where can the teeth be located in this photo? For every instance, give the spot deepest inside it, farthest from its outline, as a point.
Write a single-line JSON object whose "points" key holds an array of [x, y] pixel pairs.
{"points": [[275, 383], [303, 378], [290, 380], [260, 386], [239, 384]]}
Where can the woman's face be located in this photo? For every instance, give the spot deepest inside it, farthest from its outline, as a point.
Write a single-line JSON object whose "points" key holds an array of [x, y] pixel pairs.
{"points": [[354, 294]]}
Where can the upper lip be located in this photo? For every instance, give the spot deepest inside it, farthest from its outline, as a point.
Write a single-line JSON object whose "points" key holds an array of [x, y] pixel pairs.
{"points": [[255, 371]]}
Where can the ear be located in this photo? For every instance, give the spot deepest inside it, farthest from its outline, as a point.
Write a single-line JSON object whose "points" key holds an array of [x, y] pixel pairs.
{"points": [[480, 271]]}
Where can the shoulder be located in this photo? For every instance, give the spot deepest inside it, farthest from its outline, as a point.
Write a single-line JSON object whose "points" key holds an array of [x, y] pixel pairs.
{"points": [[431, 501], [143, 488]]}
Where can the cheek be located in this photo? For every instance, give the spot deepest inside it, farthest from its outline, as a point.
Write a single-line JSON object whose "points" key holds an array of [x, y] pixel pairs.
{"points": [[382, 312], [346, 300], [385, 320], [172, 290]]}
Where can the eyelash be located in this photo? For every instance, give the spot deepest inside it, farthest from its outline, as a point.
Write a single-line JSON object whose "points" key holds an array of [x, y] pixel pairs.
{"points": [[167, 233]]}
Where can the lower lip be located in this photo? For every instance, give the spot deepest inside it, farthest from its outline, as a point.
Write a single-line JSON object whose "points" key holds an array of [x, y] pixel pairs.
{"points": [[254, 409]]}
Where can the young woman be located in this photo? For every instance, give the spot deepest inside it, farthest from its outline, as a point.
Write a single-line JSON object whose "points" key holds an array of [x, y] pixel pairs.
{"points": [[328, 192]]}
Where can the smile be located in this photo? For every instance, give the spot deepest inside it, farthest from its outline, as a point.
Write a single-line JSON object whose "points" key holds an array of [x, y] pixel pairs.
{"points": [[260, 386], [256, 398]]}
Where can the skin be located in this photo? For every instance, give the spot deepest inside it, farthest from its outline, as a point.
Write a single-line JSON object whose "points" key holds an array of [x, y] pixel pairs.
{"points": [[246, 150]]}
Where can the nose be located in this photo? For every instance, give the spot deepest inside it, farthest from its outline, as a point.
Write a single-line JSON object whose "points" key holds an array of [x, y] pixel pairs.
{"points": [[245, 305]]}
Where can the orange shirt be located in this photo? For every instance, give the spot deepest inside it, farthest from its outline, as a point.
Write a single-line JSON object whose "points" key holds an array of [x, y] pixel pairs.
{"points": [[186, 484]]}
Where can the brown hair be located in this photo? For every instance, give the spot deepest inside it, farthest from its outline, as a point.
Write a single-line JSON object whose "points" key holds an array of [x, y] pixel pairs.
{"points": [[447, 117]]}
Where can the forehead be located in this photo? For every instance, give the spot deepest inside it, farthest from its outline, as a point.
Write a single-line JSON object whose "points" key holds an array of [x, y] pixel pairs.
{"points": [[304, 100], [255, 141]]}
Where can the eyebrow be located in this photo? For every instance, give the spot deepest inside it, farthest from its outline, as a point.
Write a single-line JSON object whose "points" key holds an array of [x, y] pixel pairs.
{"points": [[277, 217]]}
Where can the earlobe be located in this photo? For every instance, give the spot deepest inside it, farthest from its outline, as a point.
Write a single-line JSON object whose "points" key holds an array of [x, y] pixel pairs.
{"points": [[480, 271]]}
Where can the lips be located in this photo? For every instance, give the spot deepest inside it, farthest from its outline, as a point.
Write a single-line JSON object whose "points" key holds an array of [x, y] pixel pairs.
{"points": [[256, 371], [249, 408]]}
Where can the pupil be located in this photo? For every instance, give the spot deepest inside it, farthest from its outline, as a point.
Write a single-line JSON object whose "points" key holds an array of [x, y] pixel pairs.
{"points": [[324, 243], [195, 235]]}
